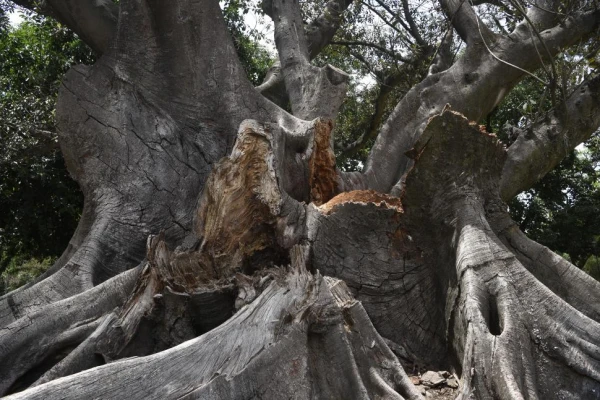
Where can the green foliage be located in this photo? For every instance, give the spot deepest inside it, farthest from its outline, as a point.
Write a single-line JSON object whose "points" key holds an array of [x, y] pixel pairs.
{"points": [[525, 102], [561, 210], [592, 267], [40, 204], [254, 58], [19, 271]]}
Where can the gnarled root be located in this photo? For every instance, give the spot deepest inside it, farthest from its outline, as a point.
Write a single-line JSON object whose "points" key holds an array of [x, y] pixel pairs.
{"points": [[513, 336], [63, 325], [278, 338]]}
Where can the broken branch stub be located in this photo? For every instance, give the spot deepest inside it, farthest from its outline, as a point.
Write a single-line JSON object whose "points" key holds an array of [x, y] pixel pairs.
{"points": [[242, 211], [238, 210]]}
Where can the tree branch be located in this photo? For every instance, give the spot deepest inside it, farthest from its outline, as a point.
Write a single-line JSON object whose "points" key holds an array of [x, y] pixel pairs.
{"points": [[313, 92], [318, 35], [391, 23], [473, 86], [372, 131], [388, 22], [466, 22], [443, 55], [414, 30], [320, 31], [543, 13], [539, 148], [372, 45], [94, 21], [273, 87]]}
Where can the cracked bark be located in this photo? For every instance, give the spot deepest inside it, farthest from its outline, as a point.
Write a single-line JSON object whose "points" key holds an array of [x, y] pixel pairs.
{"points": [[222, 255]]}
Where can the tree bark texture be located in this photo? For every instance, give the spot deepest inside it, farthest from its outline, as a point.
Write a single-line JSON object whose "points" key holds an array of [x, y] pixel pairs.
{"points": [[221, 254]]}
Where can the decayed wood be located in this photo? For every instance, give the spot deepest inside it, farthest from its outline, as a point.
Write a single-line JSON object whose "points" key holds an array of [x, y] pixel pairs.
{"points": [[214, 310], [323, 176], [292, 336], [238, 210]]}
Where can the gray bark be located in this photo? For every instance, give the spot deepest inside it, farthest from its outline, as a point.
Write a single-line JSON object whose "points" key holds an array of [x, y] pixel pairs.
{"points": [[541, 146], [473, 86], [318, 33], [222, 255], [94, 21], [313, 92]]}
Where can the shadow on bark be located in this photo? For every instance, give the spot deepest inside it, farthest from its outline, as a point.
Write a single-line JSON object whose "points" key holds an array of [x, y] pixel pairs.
{"points": [[444, 277]]}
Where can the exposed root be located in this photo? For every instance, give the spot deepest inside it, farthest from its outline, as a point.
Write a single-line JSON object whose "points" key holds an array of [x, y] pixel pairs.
{"points": [[303, 319], [84, 270], [32, 339], [512, 336], [564, 279]]}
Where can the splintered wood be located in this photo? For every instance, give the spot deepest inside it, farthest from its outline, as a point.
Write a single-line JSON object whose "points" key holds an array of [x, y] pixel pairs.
{"points": [[322, 170], [363, 197], [240, 204]]}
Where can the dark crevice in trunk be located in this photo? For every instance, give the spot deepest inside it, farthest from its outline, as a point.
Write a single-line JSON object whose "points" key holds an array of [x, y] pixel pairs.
{"points": [[211, 309], [99, 359], [269, 257], [493, 317]]}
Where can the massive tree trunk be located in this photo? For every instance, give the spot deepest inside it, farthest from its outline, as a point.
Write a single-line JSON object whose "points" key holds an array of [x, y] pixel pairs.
{"points": [[221, 254]]}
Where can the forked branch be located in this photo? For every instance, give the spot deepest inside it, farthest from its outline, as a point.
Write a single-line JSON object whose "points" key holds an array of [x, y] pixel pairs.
{"points": [[466, 22], [297, 45], [94, 21], [541, 146]]}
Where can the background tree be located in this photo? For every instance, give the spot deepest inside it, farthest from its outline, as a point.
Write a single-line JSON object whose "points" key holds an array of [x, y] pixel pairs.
{"points": [[232, 265], [40, 203]]}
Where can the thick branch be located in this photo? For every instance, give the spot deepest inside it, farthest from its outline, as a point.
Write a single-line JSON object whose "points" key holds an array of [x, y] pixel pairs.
{"points": [[539, 148], [318, 34], [313, 92], [443, 56], [320, 31], [273, 87], [474, 85], [94, 21], [544, 13], [466, 22]]}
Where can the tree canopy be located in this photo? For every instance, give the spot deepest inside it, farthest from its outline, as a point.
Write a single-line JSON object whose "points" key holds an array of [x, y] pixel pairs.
{"points": [[40, 202]]}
